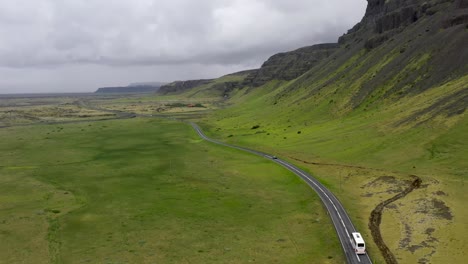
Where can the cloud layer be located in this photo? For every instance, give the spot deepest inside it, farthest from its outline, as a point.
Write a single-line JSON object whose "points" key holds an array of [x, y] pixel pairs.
{"points": [[56, 35]]}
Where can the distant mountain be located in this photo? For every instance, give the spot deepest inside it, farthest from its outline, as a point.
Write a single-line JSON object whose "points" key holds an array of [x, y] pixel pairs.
{"points": [[144, 87], [154, 84]]}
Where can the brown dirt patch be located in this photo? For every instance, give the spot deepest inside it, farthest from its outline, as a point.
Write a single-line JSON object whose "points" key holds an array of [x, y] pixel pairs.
{"points": [[376, 218]]}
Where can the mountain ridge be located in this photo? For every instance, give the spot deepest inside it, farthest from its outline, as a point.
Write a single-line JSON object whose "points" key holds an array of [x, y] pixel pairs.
{"points": [[143, 87], [399, 48]]}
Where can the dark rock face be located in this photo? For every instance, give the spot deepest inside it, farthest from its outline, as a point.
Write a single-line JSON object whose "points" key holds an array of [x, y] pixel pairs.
{"points": [[455, 21], [461, 4], [290, 65], [386, 18], [374, 7], [396, 19], [459, 15], [181, 86]]}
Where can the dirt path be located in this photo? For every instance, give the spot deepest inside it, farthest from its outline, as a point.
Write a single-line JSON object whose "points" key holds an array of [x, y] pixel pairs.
{"points": [[376, 218]]}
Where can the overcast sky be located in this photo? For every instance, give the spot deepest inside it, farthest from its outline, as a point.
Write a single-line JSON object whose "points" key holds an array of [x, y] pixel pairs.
{"points": [[80, 45]]}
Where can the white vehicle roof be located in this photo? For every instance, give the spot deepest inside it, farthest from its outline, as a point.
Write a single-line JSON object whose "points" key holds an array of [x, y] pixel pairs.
{"points": [[357, 237]]}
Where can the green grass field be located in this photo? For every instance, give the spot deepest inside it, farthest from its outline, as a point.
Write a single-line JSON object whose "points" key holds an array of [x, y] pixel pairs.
{"points": [[151, 191]]}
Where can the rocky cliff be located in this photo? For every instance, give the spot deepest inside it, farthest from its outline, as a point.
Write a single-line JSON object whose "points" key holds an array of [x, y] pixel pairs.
{"points": [[384, 19], [290, 65]]}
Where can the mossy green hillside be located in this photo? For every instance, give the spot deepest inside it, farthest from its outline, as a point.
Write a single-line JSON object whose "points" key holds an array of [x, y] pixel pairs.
{"points": [[416, 134]]}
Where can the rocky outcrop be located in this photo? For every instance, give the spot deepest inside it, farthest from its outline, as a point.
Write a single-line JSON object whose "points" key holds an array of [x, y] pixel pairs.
{"points": [[461, 4], [385, 18], [290, 65], [182, 86]]}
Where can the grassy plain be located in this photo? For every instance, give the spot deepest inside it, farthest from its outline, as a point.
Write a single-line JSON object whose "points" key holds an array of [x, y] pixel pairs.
{"points": [[147, 190]]}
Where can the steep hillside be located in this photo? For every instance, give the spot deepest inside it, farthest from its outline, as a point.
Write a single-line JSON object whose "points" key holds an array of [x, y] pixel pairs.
{"points": [[400, 48], [366, 116]]}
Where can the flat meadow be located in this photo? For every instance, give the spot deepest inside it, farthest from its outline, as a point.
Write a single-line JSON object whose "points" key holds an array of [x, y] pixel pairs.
{"points": [[149, 190]]}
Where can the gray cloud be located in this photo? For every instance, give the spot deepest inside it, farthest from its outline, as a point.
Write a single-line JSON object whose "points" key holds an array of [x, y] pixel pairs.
{"points": [[146, 38]]}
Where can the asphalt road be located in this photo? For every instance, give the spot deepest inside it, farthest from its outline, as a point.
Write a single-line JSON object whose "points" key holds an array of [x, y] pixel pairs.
{"points": [[343, 225]]}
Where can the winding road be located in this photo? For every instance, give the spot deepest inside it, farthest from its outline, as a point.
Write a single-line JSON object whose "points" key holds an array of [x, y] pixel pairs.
{"points": [[343, 225]]}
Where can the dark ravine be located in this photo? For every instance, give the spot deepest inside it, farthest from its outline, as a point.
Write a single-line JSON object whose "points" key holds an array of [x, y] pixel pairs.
{"points": [[376, 218]]}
